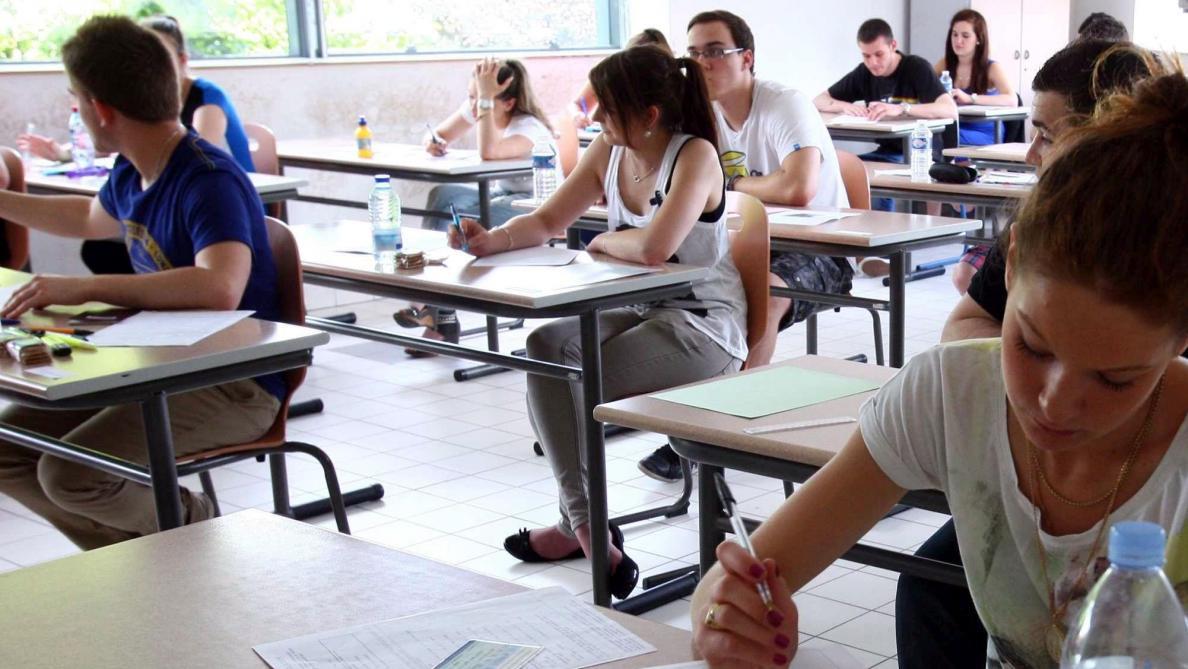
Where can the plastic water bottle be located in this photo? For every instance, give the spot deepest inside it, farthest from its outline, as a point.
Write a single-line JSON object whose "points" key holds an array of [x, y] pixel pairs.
{"points": [[946, 81], [544, 170], [383, 206], [26, 154], [921, 152], [82, 150], [1132, 618]]}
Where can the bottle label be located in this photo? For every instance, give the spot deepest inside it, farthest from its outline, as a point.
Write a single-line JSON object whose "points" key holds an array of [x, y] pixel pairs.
{"points": [[919, 144], [548, 162], [364, 143]]}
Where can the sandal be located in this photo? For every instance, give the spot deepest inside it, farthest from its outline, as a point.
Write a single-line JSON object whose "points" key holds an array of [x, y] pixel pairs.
{"points": [[413, 317], [444, 322], [521, 548]]}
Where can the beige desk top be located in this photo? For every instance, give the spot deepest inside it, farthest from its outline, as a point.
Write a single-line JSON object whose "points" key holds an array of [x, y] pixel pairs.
{"points": [[343, 250], [867, 229], [1012, 152], [895, 126], [203, 595], [117, 367], [811, 446], [266, 184], [390, 156], [903, 182]]}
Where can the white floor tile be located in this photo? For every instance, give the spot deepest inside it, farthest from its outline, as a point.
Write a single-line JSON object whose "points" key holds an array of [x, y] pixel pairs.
{"points": [[818, 614], [15, 528], [873, 632], [858, 588], [575, 582], [450, 549], [863, 658], [466, 488], [36, 549], [398, 534], [671, 542]]}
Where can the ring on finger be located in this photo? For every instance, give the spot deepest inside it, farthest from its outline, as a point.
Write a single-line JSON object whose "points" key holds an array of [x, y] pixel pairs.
{"points": [[711, 616]]}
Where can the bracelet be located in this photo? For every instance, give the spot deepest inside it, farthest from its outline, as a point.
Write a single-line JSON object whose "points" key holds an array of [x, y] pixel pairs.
{"points": [[730, 183], [507, 232]]}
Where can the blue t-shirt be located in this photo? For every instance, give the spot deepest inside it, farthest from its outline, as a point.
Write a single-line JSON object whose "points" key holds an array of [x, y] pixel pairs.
{"points": [[203, 92], [201, 198]]}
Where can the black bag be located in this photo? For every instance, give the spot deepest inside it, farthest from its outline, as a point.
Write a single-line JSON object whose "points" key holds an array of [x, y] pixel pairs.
{"points": [[949, 173]]}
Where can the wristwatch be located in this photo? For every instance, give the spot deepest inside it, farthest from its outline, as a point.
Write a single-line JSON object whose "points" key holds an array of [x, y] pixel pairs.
{"points": [[485, 104], [973, 97], [907, 108]]}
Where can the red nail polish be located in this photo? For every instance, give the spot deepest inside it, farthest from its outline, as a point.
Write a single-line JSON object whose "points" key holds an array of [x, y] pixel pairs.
{"points": [[782, 641], [775, 618], [779, 660], [757, 570]]}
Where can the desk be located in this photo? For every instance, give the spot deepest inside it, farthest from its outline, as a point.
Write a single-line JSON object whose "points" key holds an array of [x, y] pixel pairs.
{"points": [[858, 129], [903, 188], [1012, 156], [272, 188], [203, 595], [716, 441], [146, 376], [872, 233], [587, 136], [330, 257], [998, 115], [401, 161]]}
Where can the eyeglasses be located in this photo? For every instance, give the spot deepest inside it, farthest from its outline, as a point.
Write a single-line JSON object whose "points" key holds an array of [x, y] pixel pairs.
{"points": [[712, 53]]}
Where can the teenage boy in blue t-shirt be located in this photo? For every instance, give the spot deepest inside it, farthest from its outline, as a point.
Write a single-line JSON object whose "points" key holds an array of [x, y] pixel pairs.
{"points": [[195, 231]]}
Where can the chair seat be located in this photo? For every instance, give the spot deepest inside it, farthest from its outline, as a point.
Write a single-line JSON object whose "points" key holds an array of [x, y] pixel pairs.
{"points": [[275, 436]]}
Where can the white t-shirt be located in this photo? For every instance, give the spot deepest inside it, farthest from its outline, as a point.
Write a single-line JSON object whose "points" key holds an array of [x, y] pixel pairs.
{"points": [[522, 124], [782, 121], [941, 424]]}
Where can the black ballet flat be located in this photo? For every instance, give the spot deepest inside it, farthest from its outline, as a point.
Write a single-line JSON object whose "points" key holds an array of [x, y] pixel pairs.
{"points": [[519, 546], [624, 578]]}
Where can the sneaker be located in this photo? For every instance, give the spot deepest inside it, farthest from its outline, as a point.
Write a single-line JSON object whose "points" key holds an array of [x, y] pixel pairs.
{"points": [[663, 465]]}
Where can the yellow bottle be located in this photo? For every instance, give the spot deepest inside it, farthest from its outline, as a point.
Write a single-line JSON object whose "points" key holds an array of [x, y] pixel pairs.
{"points": [[363, 139]]}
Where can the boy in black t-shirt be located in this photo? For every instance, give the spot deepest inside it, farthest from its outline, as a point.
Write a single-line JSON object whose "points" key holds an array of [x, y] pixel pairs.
{"points": [[891, 83]]}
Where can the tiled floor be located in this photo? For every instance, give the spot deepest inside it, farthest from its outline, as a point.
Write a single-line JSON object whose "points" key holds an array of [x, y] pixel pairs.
{"points": [[456, 461]]}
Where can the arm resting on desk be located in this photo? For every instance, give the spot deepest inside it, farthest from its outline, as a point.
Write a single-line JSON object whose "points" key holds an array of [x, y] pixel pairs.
{"points": [[969, 320], [216, 282], [794, 184], [61, 215], [696, 188]]}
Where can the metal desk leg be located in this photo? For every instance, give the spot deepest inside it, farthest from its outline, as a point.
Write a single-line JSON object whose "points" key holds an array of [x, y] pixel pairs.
{"points": [[897, 306], [484, 188], [162, 462], [595, 457], [709, 510]]}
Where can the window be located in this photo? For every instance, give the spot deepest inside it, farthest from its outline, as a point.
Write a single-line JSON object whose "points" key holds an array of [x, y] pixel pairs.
{"points": [[34, 31], [381, 26]]}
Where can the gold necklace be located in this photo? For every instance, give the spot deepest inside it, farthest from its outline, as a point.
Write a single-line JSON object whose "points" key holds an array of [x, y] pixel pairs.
{"points": [[638, 177], [1057, 631]]}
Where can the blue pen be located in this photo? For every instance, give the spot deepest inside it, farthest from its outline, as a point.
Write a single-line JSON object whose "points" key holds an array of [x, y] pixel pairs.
{"points": [[458, 227], [582, 104]]}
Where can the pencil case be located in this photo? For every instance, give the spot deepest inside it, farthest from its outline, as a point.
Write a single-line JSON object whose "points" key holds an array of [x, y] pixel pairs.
{"points": [[952, 174], [29, 351]]}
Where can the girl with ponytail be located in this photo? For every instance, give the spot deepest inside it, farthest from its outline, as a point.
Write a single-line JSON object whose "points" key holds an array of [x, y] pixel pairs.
{"points": [[656, 164]]}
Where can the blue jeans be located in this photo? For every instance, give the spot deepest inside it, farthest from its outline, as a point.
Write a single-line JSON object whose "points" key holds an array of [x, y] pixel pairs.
{"points": [[465, 198]]}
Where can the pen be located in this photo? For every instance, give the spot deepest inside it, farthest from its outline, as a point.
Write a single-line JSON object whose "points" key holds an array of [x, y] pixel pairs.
{"points": [[740, 530], [73, 342], [59, 330], [582, 104], [437, 139], [458, 226]]}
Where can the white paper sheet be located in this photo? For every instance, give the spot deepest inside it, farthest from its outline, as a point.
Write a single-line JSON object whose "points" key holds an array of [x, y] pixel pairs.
{"points": [[167, 328], [844, 119], [572, 633], [7, 291], [581, 274], [807, 217], [833, 657], [1004, 177], [535, 256], [898, 172]]}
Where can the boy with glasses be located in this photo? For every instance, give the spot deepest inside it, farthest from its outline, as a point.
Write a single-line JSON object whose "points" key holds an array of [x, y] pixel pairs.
{"points": [[775, 147]]}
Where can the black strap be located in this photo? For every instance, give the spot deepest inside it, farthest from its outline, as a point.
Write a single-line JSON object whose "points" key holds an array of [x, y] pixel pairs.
{"points": [[711, 216]]}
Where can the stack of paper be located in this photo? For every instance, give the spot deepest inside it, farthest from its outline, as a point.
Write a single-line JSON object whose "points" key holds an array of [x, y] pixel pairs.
{"points": [[807, 217], [572, 635], [167, 328], [770, 391]]}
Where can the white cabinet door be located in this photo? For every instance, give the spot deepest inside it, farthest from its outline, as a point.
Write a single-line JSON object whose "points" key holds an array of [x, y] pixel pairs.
{"points": [[1045, 31], [1004, 20]]}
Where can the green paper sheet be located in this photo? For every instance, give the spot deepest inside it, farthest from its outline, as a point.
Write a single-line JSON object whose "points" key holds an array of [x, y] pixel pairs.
{"points": [[767, 392]]}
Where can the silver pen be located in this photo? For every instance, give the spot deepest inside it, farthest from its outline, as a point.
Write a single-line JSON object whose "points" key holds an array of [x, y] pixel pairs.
{"points": [[740, 530]]}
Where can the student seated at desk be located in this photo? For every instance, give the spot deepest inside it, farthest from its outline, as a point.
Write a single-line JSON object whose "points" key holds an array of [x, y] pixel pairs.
{"points": [[196, 232], [657, 165], [977, 80], [582, 109], [1040, 440], [1067, 88], [773, 145], [1100, 25], [892, 83], [508, 119]]}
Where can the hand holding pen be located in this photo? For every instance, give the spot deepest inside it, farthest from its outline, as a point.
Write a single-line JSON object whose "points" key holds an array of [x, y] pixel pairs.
{"points": [[751, 620], [435, 144]]}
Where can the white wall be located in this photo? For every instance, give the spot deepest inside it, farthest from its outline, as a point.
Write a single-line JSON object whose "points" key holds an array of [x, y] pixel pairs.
{"points": [[806, 46], [1123, 10]]}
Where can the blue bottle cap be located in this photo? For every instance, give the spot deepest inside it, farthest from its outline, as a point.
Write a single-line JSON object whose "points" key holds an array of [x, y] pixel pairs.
{"points": [[382, 178], [1137, 545], [362, 120]]}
